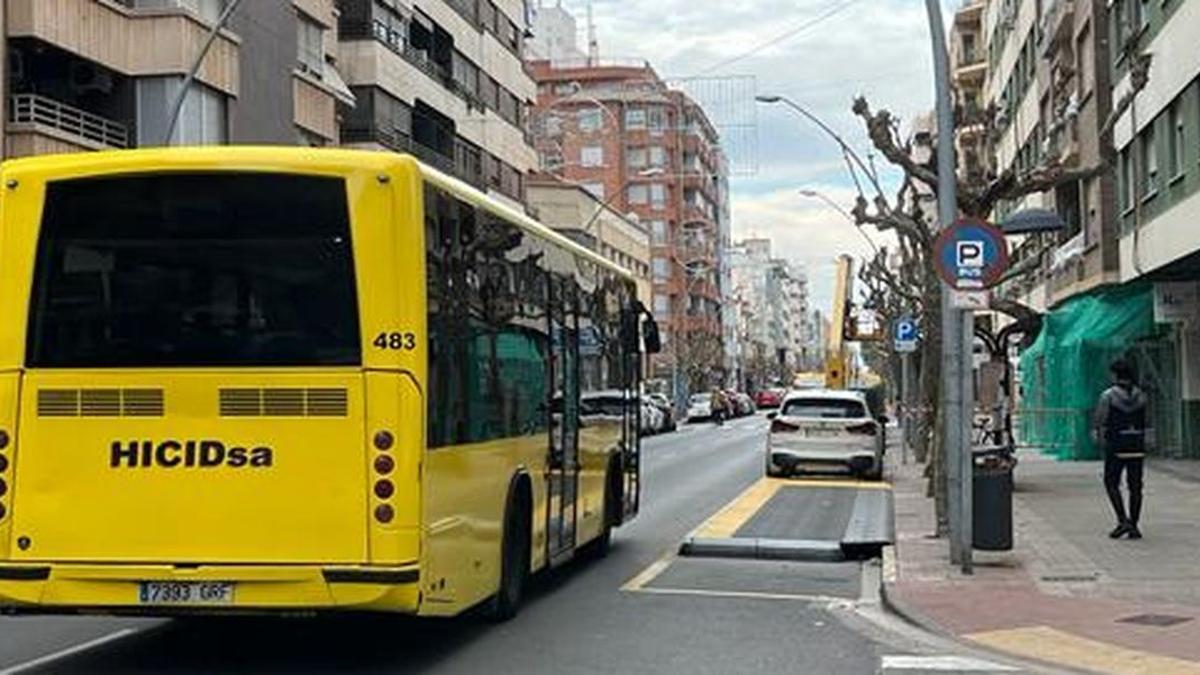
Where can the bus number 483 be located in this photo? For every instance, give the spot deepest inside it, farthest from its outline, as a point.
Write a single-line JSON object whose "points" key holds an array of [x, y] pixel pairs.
{"points": [[400, 341]]}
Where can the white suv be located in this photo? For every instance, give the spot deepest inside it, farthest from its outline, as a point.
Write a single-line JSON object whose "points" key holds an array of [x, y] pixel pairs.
{"points": [[821, 429]]}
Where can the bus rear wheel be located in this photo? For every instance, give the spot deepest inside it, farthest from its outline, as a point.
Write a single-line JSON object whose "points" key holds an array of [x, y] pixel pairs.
{"points": [[514, 561]]}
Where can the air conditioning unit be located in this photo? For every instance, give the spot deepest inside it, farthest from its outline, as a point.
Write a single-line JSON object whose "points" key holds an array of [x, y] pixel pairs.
{"points": [[86, 78]]}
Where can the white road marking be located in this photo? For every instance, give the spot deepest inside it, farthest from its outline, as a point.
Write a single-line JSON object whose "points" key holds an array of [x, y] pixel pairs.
{"points": [[939, 663], [752, 595], [70, 651]]}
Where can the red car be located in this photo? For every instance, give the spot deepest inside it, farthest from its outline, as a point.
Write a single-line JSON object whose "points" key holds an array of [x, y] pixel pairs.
{"points": [[769, 398]]}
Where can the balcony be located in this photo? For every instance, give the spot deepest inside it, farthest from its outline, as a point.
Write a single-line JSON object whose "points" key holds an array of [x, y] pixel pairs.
{"points": [[398, 141], [971, 12], [139, 42], [1058, 22], [78, 129]]}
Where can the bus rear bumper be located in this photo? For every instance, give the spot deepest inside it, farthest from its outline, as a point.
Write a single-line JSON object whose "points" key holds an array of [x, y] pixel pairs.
{"points": [[267, 589]]}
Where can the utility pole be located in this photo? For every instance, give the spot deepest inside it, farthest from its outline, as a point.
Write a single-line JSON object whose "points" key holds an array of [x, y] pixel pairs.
{"points": [[957, 326]]}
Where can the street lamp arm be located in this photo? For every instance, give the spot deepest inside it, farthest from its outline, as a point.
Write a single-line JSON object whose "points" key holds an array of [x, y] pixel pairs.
{"points": [[846, 149]]}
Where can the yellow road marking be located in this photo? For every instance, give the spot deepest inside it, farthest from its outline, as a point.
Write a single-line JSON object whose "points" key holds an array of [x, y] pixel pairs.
{"points": [[650, 573], [1055, 646], [734, 514]]}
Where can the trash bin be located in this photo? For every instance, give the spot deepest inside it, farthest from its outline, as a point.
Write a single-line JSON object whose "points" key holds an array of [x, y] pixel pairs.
{"points": [[992, 488]]}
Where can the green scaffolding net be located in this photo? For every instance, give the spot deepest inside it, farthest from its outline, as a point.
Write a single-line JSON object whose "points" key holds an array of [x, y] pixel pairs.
{"points": [[1066, 368]]}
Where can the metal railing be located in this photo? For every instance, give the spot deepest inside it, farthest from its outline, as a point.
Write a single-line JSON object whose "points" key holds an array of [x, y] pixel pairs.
{"points": [[37, 109]]}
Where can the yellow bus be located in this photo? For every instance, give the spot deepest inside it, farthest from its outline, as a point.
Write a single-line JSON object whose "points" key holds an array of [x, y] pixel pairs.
{"points": [[282, 379]]}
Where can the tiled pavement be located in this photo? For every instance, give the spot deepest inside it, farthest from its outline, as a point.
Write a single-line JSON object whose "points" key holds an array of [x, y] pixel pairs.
{"points": [[1066, 592]]}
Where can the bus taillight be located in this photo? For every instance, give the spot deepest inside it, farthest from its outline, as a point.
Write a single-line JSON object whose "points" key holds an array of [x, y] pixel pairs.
{"points": [[384, 440], [384, 488], [384, 513], [384, 465]]}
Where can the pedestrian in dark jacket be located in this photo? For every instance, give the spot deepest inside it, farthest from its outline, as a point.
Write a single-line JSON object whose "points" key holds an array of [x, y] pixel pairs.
{"points": [[1120, 430]]}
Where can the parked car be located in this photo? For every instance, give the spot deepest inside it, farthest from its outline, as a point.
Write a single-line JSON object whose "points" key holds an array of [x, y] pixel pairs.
{"points": [[769, 398], [661, 402], [652, 419], [823, 429], [745, 405], [700, 407]]}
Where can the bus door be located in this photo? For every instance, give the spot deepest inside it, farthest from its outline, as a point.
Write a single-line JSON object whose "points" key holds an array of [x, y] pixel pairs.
{"points": [[563, 464]]}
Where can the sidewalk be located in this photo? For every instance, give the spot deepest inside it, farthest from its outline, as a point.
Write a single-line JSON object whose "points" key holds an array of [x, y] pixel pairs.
{"points": [[1066, 594]]}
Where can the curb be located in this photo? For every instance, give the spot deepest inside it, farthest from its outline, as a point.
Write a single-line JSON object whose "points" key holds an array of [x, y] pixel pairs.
{"points": [[810, 550]]}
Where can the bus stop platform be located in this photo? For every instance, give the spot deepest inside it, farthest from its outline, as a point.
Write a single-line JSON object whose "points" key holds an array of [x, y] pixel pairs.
{"points": [[810, 519]]}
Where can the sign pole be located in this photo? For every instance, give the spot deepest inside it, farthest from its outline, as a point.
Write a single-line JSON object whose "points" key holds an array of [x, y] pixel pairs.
{"points": [[905, 405], [967, 465]]}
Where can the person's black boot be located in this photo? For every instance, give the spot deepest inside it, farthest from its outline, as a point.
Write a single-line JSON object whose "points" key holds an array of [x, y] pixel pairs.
{"points": [[1134, 532], [1120, 531]]}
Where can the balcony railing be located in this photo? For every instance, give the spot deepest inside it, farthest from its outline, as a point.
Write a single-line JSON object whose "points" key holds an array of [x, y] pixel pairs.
{"points": [[36, 109]]}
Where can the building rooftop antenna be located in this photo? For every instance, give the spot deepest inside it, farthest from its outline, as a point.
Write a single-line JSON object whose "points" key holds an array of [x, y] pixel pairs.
{"points": [[593, 47]]}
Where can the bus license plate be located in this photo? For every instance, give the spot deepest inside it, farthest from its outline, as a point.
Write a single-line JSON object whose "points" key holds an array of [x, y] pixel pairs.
{"points": [[185, 592]]}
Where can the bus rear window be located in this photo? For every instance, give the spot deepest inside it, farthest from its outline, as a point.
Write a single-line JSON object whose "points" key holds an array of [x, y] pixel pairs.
{"points": [[194, 269]]}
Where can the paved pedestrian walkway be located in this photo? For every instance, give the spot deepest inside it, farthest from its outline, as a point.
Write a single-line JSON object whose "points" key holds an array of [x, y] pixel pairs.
{"points": [[1066, 594]]}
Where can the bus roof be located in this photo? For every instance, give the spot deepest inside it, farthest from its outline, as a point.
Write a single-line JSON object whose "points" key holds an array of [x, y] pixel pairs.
{"points": [[267, 158]]}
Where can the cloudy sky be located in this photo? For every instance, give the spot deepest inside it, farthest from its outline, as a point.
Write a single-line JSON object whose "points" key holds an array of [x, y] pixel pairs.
{"points": [[821, 53]]}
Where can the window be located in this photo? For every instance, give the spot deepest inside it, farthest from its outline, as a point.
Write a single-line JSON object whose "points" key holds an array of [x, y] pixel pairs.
{"points": [[564, 88], [823, 408], [1176, 143], [658, 231], [591, 155], [638, 194], [596, 190], [662, 269], [636, 158], [658, 156], [657, 119], [550, 160], [635, 118], [389, 27], [658, 195], [310, 46], [194, 269], [589, 119], [662, 304], [1126, 180], [201, 119], [1149, 166]]}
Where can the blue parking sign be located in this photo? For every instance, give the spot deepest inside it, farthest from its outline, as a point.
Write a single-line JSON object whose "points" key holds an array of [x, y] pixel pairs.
{"points": [[905, 334]]}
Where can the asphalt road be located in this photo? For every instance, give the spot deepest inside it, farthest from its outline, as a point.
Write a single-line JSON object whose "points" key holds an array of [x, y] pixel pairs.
{"points": [[693, 616]]}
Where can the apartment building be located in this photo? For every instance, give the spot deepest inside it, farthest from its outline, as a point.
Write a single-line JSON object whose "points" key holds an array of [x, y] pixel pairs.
{"points": [[444, 80], [968, 59], [647, 149], [1158, 187], [100, 74], [1048, 78], [1128, 268], [774, 322]]}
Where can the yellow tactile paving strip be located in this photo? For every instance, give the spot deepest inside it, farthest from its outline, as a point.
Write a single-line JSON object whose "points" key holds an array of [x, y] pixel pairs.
{"points": [[1054, 646]]}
